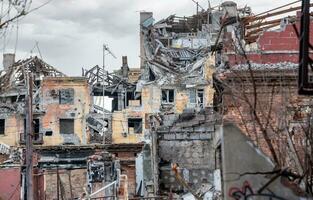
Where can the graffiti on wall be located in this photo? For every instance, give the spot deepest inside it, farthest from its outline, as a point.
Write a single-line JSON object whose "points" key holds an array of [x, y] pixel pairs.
{"points": [[247, 193]]}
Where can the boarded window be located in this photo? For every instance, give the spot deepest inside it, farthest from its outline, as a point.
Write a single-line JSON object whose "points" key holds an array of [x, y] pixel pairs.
{"points": [[135, 125], [167, 96], [2, 126], [66, 126], [66, 96]]}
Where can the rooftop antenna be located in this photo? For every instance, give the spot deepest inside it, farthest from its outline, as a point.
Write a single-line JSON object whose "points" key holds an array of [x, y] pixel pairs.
{"points": [[105, 51]]}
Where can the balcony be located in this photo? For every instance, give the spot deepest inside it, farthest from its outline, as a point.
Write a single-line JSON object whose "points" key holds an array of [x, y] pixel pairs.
{"points": [[37, 139]]}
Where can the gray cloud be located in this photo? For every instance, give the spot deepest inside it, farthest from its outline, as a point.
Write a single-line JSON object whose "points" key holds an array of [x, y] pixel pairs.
{"points": [[71, 32]]}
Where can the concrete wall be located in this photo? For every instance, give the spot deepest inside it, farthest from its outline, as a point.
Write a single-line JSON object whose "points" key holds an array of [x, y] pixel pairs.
{"points": [[240, 156], [120, 132], [14, 125], [151, 102], [54, 111], [188, 142]]}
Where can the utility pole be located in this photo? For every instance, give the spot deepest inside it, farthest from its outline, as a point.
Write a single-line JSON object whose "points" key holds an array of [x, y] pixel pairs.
{"points": [[104, 50], [29, 138]]}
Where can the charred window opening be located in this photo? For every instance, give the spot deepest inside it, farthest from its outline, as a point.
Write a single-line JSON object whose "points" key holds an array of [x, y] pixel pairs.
{"points": [[2, 126], [36, 126], [151, 75], [14, 99], [66, 126], [66, 96], [36, 129], [48, 133], [168, 96], [37, 83], [135, 125], [129, 96]]}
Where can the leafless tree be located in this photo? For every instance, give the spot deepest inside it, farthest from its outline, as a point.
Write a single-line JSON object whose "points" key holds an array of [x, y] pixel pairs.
{"points": [[268, 109]]}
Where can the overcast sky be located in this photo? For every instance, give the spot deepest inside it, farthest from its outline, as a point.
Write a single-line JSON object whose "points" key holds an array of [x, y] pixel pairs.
{"points": [[71, 32]]}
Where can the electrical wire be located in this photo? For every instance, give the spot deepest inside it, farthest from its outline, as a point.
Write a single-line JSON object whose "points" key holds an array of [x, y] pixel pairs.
{"points": [[16, 38]]}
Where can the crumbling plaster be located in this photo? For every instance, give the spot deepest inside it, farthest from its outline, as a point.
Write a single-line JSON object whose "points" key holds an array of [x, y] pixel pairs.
{"points": [[55, 111]]}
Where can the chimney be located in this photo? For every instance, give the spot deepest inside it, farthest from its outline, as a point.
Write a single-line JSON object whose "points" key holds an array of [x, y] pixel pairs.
{"points": [[125, 67], [8, 60]]}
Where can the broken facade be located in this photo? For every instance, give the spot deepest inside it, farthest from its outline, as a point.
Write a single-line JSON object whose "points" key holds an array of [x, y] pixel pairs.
{"points": [[196, 73], [67, 126]]}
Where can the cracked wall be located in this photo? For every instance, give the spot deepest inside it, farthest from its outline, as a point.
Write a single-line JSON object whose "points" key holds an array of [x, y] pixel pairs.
{"points": [[76, 108]]}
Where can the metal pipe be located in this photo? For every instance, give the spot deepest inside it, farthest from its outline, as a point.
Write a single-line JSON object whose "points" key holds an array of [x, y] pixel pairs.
{"points": [[105, 187], [256, 25], [276, 13], [277, 8]]}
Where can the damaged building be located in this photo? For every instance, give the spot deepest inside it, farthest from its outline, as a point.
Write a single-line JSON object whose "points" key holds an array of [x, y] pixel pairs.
{"points": [[212, 112], [67, 131]]}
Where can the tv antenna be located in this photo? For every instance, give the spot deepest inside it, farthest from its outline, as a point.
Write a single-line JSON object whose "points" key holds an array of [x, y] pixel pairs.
{"points": [[105, 51]]}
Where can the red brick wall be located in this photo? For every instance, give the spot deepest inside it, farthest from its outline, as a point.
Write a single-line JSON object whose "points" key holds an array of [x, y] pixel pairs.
{"points": [[130, 171], [10, 187], [278, 108], [273, 47], [78, 180], [128, 167]]}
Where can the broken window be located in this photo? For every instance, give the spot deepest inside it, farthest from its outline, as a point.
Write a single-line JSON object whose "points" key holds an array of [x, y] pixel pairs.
{"points": [[135, 125], [129, 96], [2, 126], [36, 126], [200, 97], [192, 96], [66, 126], [66, 96], [48, 133], [167, 96], [196, 97], [151, 75]]}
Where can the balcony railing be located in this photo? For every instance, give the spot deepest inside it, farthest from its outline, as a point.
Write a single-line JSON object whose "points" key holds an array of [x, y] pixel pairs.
{"points": [[37, 138]]}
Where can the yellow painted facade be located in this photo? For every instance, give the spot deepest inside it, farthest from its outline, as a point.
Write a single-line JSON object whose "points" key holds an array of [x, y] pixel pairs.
{"points": [[14, 125], [51, 113], [151, 96], [55, 111]]}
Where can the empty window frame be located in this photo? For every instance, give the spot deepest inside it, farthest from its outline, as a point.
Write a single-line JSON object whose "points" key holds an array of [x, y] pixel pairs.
{"points": [[196, 96], [200, 97], [66, 96], [2, 126], [36, 125], [168, 96], [66, 126], [135, 124], [48, 133]]}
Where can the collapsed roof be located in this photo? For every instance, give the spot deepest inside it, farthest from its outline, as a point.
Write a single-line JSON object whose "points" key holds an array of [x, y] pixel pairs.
{"points": [[175, 48], [14, 77]]}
